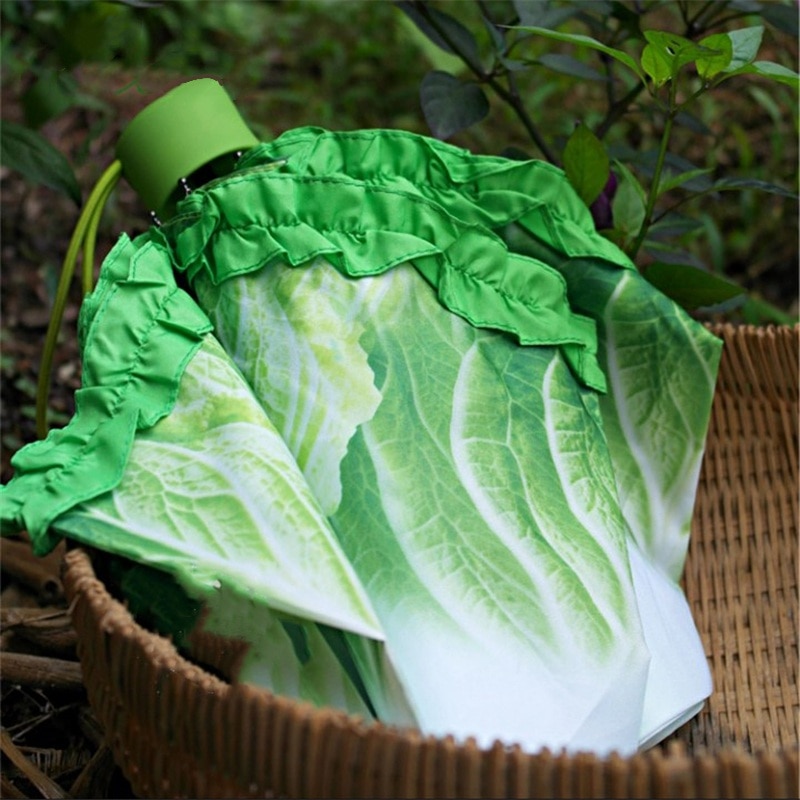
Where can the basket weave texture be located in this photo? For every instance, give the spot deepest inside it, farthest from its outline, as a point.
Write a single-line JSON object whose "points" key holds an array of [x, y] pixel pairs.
{"points": [[177, 730]]}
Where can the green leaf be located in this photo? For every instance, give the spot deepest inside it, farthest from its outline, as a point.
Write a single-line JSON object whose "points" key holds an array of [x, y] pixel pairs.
{"points": [[496, 35], [542, 14], [627, 209], [453, 38], [645, 162], [745, 43], [738, 184], [682, 51], [709, 66], [52, 94], [667, 53], [691, 287], [674, 181], [669, 252], [156, 599], [432, 54], [775, 72], [629, 204], [672, 226], [628, 175], [757, 311], [29, 153], [514, 64], [587, 41], [764, 69], [586, 164], [656, 65], [451, 105], [692, 123], [567, 65], [782, 16]]}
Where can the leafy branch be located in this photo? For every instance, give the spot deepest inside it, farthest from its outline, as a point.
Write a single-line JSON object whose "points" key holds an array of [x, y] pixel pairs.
{"points": [[667, 67], [458, 41]]}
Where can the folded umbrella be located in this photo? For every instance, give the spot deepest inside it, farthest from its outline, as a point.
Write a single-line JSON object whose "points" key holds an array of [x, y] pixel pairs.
{"points": [[437, 440]]}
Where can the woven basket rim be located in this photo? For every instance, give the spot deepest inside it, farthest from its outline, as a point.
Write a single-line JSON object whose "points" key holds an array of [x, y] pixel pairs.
{"points": [[116, 619], [661, 770]]}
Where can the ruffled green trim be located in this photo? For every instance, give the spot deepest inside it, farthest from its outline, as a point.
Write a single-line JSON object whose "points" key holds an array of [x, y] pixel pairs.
{"points": [[138, 332], [488, 190], [240, 224]]}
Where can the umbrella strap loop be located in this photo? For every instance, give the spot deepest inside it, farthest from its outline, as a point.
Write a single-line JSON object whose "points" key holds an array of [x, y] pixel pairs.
{"points": [[83, 239]]}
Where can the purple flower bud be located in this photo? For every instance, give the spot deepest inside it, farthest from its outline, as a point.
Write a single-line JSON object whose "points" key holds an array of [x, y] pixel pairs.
{"points": [[601, 212], [601, 207], [611, 185]]}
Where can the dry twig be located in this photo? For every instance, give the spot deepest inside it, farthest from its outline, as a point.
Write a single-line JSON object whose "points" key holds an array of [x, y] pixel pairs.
{"points": [[48, 628], [95, 777], [41, 574], [41, 672], [47, 787]]}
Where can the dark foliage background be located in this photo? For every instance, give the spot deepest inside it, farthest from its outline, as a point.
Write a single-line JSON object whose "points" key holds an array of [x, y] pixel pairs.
{"points": [[76, 71]]}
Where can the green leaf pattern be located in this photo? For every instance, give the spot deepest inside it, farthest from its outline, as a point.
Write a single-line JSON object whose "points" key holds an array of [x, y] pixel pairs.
{"points": [[470, 536], [308, 367], [188, 478]]}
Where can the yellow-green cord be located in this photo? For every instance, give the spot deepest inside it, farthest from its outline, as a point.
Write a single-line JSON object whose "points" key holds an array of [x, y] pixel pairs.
{"points": [[91, 236], [84, 236]]}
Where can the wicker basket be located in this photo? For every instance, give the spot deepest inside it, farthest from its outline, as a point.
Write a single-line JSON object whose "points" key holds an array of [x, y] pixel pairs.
{"points": [[177, 730]]}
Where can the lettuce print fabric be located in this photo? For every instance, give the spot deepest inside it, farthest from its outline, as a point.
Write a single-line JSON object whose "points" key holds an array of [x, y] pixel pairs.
{"points": [[444, 439], [207, 490]]}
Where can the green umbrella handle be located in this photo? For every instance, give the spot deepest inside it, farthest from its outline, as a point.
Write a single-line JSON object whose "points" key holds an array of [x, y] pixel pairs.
{"points": [[176, 135]]}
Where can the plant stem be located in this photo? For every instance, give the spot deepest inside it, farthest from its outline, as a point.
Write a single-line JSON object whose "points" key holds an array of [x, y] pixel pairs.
{"points": [[693, 25], [730, 18], [510, 95], [486, 11], [513, 98], [678, 203], [618, 110], [656, 182], [684, 11]]}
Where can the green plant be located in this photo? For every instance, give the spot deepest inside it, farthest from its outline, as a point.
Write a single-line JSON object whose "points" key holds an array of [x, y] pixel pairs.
{"points": [[647, 79], [46, 43], [296, 64], [294, 61]]}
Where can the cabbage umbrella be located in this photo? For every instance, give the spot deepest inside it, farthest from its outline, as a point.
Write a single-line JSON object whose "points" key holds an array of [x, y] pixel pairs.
{"points": [[414, 431]]}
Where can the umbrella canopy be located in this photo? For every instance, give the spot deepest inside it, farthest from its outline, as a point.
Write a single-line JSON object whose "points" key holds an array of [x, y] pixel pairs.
{"points": [[417, 433]]}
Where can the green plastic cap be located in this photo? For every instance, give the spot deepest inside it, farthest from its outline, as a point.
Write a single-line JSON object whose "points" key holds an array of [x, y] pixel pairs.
{"points": [[176, 135]]}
